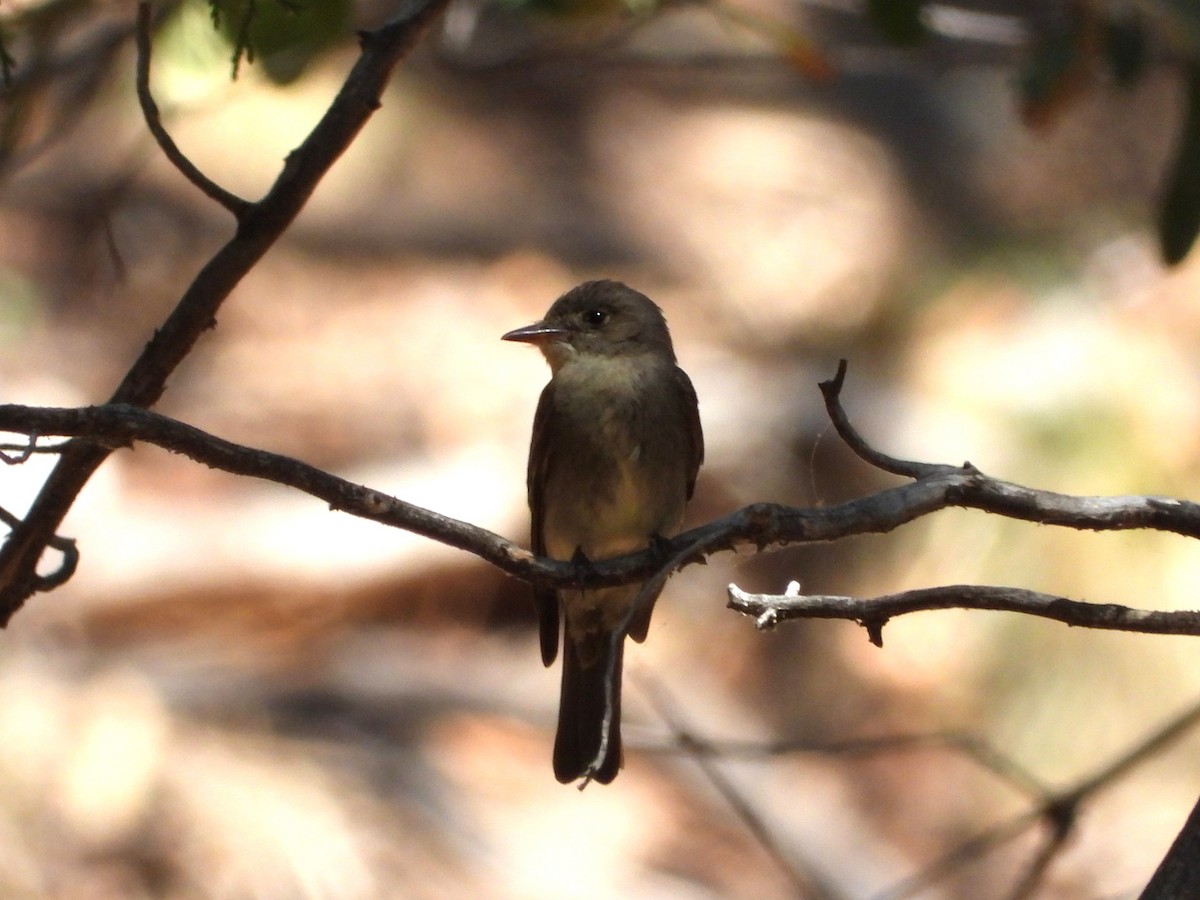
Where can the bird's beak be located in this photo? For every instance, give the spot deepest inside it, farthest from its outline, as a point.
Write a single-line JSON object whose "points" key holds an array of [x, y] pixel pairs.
{"points": [[538, 333]]}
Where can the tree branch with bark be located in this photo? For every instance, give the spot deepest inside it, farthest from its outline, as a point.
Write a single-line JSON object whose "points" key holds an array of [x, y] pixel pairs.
{"points": [[761, 525]]}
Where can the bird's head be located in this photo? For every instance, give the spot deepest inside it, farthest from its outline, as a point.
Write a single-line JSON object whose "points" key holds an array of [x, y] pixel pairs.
{"points": [[598, 318]]}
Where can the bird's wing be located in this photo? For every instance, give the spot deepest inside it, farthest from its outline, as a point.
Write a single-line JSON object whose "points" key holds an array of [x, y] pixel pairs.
{"points": [[695, 434], [546, 599]]}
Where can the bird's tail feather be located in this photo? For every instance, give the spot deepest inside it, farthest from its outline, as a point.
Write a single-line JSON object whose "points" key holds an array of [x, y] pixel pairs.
{"points": [[582, 707]]}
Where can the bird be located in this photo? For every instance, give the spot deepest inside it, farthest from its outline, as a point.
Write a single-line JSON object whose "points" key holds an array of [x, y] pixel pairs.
{"points": [[616, 448]]}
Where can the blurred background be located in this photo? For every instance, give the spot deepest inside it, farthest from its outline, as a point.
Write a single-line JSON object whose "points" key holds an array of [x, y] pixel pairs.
{"points": [[243, 694]]}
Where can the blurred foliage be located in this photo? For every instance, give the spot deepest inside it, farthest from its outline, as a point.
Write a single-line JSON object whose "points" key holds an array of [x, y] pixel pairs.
{"points": [[569, 9], [1071, 47], [1125, 48], [1057, 68], [899, 21], [1179, 217], [284, 35], [1113, 40], [6, 60]]}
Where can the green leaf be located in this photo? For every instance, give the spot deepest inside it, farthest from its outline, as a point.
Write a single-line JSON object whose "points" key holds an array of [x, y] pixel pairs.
{"points": [[285, 36], [898, 20], [1179, 218]]}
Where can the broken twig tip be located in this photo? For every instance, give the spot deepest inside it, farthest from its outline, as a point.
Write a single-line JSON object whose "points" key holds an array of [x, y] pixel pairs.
{"points": [[874, 630]]}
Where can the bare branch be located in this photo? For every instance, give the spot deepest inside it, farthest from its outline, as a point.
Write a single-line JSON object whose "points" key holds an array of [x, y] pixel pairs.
{"points": [[15, 456], [969, 746], [1178, 875], [64, 545], [760, 525], [803, 874], [116, 425], [874, 613], [832, 392], [212, 190], [1056, 809], [1060, 811]]}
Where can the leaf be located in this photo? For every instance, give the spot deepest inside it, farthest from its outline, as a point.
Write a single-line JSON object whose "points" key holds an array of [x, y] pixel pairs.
{"points": [[898, 20], [1179, 217], [284, 35]]}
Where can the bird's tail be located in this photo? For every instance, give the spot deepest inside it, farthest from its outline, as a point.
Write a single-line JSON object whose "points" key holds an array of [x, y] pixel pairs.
{"points": [[582, 707]]}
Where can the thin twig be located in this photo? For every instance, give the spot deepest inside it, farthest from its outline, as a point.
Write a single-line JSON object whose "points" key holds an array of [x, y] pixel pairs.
{"points": [[831, 390], [970, 746], [984, 842], [64, 545], [47, 449], [189, 170], [1059, 810], [13, 455], [873, 613], [804, 875]]}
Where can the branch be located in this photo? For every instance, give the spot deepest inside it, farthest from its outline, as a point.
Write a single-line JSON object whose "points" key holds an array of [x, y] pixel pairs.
{"points": [[1178, 874], [1060, 810], [805, 876], [118, 425], [874, 613], [1056, 809], [64, 545], [212, 190], [832, 391], [759, 525], [259, 227]]}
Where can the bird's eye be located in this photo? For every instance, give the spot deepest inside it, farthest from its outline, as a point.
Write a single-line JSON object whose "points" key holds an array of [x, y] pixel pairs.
{"points": [[594, 318]]}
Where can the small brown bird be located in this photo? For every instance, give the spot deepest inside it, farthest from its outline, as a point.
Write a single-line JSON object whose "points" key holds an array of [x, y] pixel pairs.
{"points": [[613, 461]]}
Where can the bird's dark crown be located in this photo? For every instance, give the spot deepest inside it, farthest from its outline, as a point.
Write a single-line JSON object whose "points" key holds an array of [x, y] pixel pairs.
{"points": [[610, 317]]}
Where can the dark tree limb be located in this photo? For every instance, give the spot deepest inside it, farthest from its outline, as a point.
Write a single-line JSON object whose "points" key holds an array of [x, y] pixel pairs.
{"points": [[259, 226], [1178, 875], [102, 428]]}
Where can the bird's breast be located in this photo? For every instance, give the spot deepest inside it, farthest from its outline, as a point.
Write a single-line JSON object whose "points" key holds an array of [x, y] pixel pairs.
{"points": [[617, 477]]}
